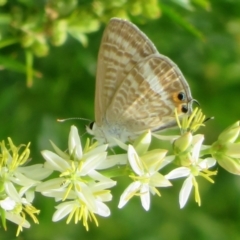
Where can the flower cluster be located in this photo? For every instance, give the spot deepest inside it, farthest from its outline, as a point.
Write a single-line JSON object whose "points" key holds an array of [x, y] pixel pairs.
{"points": [[81, 188], [18, 183], [86, 174]]}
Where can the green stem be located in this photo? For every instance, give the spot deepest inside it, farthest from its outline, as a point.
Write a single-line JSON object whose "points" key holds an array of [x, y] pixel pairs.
{"points": [[29, 67], [116, 171], [207, 151]]}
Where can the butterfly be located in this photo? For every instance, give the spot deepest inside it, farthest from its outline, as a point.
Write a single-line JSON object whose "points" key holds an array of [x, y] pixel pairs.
{"points": [[137, 88]]}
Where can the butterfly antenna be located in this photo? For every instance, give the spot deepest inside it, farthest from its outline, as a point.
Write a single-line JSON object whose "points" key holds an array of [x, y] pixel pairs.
{"points": [[196, 101], [75, 118], [208, 118]]}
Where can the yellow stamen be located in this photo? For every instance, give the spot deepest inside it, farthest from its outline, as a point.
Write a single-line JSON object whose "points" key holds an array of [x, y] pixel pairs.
{"points": [[69, 188], [197, 195]]}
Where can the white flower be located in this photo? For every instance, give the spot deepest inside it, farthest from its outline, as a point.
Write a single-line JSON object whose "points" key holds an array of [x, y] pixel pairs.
{"points": [[18, 184], [7, 204], [77, 162], [196, 167], [146, 177], [83, 208], [79, 184]]}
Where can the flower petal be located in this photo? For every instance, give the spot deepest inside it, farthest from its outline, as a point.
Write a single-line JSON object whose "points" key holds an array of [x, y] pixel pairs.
{"points": [[96, 150], [63, 209], [207, 163], [7, 204], [51, 184], [54, 162], [112, 160], [59, 152], [141, 144], [135, 161], [92, 162], [36, 171], [145, 196], [15, 218], [74, 143], [12, 192], [153, 159], [102, 209], [21, 180], [101, 178], [128, 193], [197, 143], [178, 173], [158, 180], [166, 161], [185, 191], [85, 194]]}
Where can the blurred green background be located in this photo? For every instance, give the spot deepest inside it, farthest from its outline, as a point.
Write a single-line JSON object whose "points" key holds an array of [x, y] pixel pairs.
{"points": [[62, 38]]}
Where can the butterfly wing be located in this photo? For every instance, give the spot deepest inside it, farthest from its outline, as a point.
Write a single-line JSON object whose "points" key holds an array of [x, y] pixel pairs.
{"points": [[123, 46], [148, 96]]}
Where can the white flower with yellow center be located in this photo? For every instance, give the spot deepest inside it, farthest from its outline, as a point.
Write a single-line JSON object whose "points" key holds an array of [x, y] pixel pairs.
{"points": [[145, 166], [18, 184], [79, 183], [192, 166]]}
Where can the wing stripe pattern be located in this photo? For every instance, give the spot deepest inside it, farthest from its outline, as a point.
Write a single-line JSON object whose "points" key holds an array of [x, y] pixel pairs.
{"points": [[137, 88]]}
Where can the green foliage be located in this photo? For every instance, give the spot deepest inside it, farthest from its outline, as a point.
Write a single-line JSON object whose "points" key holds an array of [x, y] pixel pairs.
{"points": [[202, 39], [34, 26]]}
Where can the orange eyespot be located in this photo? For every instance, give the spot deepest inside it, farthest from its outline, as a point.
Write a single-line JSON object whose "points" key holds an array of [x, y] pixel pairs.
{"points": [[182, 108], [179, 97]]}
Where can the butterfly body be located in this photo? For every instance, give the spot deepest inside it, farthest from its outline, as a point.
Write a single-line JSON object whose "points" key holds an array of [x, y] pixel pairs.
{"points": [[137, 88]]}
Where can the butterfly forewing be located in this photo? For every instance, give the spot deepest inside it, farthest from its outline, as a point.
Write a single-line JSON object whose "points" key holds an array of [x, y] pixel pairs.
{"points": [[122, 46]]}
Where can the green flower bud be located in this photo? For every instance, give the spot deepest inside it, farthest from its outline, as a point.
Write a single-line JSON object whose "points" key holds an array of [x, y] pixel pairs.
{"points": [[40, 49], [233, 150], [142, 143], [230, 134], [59, 33], [232, 165], [27, 40], [226, 151], [154, 157], [182, 143]]}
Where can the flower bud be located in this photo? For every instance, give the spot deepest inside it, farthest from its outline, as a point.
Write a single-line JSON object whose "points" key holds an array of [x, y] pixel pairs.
{"points": [[230, 134], [59, 33], [232, 165], [27, 40], [233, 150], [226, 151], [40, 48], [182, 143], [142, 143]]}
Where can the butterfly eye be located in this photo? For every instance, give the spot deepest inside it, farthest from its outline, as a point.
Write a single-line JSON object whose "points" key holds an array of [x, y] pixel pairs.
{"points": [[91, 125], [181, 96], [184, 109]]}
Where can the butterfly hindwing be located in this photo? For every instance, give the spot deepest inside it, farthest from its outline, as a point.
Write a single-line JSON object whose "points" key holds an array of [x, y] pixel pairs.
{"points": [[147, 97]]}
